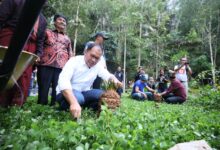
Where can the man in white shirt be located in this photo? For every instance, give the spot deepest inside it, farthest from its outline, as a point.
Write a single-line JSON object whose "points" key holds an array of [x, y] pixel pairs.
{"points": [[76, 79], [181, 72]]}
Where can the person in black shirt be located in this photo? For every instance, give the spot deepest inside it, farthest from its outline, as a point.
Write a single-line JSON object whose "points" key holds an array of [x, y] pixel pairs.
{"points": [[120, 76], [139, 72], [162, 81]]}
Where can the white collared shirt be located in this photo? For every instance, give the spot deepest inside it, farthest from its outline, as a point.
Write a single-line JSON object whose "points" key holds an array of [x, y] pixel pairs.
{"points": [[78, 76]]}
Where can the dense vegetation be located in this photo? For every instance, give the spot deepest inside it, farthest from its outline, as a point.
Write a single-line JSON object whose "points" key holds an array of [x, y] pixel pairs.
{"points": [[135, 125], [151, 33]]}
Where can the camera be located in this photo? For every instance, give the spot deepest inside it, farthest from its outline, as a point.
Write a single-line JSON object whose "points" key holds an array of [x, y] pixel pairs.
{"points": [[187, 63]]}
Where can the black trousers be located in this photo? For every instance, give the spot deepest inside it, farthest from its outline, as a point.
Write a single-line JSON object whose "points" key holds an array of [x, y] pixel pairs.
{"points": [[97, 83], [46, 77]]}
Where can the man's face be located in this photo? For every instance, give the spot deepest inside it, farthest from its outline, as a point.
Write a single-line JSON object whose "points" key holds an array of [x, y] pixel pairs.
{"points": [[60, 24], [99, 40], [183, 61], [93, 56], [162, 72]]}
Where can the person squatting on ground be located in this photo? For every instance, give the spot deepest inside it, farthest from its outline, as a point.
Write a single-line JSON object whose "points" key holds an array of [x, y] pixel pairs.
{"points": [[10, 11], [151, 83], [175, 93], [74, 88], [57, 50], [138, 92]]}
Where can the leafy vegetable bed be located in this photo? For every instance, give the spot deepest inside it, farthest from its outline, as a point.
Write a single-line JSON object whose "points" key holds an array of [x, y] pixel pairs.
{"points": [[135, 125]]}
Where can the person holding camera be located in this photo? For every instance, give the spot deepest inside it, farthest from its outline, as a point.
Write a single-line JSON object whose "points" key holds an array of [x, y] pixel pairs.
{"points": [[162, 81], [182, 70]]}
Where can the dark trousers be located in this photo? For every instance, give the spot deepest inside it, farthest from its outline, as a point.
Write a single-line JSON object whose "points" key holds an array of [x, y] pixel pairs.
{"points": [[97, 83], [46, 77], [172, 99], [119, 91], [85, 99]]}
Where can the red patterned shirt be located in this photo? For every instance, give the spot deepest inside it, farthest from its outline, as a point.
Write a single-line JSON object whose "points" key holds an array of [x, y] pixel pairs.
{"points": [[57, 49]]}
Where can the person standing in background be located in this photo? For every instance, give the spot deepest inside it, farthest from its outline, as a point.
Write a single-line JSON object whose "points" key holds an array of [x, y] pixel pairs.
{"points": [[120, 76], [10, 11], [57, 50], [182, 70], [100, 38]]}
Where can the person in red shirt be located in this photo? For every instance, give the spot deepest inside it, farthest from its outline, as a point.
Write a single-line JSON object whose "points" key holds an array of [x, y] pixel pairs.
{"points": [[57, 50], [175, 93], [10, 11]]}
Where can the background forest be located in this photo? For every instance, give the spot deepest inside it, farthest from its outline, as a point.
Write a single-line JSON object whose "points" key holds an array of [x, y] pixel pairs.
{"points": [[150, 33]]}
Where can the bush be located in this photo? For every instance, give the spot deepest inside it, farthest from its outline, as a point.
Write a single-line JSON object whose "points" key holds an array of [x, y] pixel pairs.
{"points": [[208, 98]]}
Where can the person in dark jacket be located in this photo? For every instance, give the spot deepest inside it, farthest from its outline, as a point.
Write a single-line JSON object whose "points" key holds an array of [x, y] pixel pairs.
{"points": [[162, 81], [120, 76], [139, 72]]}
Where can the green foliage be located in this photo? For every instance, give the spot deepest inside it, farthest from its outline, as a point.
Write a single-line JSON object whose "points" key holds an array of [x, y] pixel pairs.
{"points": [[208, 98], [109, 85], [200, 64], [176, 57], [135, 125], [205, 77], [192, 36]]}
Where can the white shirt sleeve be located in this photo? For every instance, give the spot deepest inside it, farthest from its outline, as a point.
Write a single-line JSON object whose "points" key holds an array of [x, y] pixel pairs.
{"points": [[103, 61], [104, 73], [66, 74]]}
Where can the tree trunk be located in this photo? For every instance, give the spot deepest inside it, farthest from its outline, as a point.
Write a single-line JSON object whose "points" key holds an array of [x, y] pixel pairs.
{"points": [[76, 29], [211, 50], [139, 50], [157, 47], [217, 39], [125, 53]]}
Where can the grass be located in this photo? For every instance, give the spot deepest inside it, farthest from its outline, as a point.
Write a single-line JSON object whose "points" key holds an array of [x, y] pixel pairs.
{"points": [[135, 125]]}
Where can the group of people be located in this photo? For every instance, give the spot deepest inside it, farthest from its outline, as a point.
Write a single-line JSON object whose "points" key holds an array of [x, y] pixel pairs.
{"points": [[145, 88], [75, 80], [70, 77]]}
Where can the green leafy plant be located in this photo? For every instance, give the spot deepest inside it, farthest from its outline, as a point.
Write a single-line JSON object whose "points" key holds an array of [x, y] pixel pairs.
{"points": [[134, 125]]}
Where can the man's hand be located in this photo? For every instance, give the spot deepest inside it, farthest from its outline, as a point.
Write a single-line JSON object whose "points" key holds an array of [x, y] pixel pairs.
{"points": [[75, 110], [145, 96], [157, 97], [119, 84], [158, 94]]}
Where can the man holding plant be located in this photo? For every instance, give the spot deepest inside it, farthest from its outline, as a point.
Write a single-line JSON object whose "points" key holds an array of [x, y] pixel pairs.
{"points": [[76, 79]]}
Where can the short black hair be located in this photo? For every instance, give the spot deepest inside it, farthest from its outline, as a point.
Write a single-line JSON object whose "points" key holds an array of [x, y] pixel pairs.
{"points": [[59, 15], [90, 45]]}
